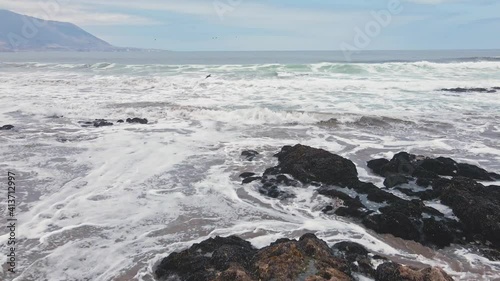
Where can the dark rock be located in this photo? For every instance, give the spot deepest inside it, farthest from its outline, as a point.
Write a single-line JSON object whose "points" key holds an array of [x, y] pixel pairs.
{"points": [[491, 254], [328, 209], [420, 172], [411, 209], [308, 164], [102, 123], [495, 176], [282, 240], [273, 191], [282, 179], [283, 150], [137, 120], [374, 193], [6, 127], [394, 180], [272, 171], [441, 166], [231, 259], [395, 223], [247, 175], [356, 256], [401, 219], [377, 165], [96, 123], [208, 259], [249, 154], [120, 121], [329, 122], [437, 233], [424, 182], [346, 199], [250, 179], [307, 259], [474, 172], [351, 249], [477, 206], [353, 206], [401, 163], [468, 90], [428, 169], [390, 271]]}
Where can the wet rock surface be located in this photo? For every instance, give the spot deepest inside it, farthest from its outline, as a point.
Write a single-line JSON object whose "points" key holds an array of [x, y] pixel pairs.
{"points": [[96, 123], [249, 154], [309, 258], [308, 164], [6, 127], [476, 208]]}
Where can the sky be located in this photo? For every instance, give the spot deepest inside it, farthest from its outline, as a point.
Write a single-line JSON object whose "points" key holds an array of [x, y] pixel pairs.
{"points": [[232, 25]]}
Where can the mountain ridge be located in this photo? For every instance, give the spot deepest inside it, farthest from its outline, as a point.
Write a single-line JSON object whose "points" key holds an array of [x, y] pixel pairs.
{"points": [[24, 33]]}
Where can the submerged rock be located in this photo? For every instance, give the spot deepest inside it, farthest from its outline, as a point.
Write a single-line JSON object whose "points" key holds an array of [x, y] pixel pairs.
{"points": [[467, 90], [6, 127], [249, 154], [247, 175], [137, 120], [102, 123], [96, 123], [250, 179]]}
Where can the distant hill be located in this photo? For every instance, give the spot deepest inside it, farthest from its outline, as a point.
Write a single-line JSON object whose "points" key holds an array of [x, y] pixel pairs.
{"points": [[24, 33]]}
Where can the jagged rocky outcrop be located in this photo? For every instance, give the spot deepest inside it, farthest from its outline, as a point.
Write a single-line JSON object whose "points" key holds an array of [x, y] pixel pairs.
{"points": [[476, 206], [309, 258]]}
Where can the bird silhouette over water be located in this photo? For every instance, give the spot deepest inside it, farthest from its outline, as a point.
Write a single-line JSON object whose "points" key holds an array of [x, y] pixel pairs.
{"points": [[208, 76]]}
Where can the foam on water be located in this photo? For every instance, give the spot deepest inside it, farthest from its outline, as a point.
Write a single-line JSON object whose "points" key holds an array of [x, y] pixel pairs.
{"points": [[109, 203]]}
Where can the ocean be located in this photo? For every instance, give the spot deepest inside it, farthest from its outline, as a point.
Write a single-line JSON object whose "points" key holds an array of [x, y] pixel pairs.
{"points": [[109, 203]]}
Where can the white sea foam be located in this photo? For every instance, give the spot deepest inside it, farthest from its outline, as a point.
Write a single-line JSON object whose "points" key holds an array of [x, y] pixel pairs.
{"points": [[104, 203]]}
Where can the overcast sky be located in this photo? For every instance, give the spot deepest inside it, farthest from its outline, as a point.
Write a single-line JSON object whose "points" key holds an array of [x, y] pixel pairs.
{"points": [[276, 24]]}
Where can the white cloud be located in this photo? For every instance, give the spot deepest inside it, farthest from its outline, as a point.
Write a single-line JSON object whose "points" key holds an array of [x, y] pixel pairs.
{"points": [[77, 13]]}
